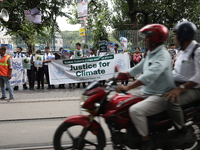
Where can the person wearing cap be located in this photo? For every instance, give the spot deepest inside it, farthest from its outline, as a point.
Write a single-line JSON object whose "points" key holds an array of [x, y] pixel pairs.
{"points": [[156, 80], [186, 73]]}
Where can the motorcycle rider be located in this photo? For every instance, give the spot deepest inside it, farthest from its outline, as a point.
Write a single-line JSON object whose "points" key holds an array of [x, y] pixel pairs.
{"points": [[156, 79], [186, 73]]}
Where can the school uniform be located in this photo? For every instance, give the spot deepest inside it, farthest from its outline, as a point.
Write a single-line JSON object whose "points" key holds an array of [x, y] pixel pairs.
{"points": [[20, 55], [31, 73], [46, 70], [186, 68], [39, 77]]}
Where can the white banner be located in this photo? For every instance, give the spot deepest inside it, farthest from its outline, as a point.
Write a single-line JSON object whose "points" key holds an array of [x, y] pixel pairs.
{"points": [[87, 69], [18, 74]]}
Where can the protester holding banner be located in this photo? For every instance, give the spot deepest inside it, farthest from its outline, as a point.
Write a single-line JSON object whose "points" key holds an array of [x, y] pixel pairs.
{"points": [[57, 57], [31, 71], [5, 74], [78, 55], [116, 48], [71, 56], [39, 69], [47, 59], [19, 54], [92, 52]]}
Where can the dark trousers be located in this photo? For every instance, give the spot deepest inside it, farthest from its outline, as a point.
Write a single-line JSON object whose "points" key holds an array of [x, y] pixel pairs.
{"points": [[46, 73], [125, 82], [78, 84], [40, 77], [31, 77]]}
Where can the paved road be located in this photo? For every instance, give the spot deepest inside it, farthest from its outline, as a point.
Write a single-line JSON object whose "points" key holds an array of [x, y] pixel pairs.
{"points": [[25, 121]]}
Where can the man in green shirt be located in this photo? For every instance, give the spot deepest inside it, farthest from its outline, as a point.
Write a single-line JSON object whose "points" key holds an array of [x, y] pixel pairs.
{"points": [[156, 80]]}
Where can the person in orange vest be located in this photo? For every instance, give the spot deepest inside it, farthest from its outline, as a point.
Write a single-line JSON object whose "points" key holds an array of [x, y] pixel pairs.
{"points": [[5, 73]]}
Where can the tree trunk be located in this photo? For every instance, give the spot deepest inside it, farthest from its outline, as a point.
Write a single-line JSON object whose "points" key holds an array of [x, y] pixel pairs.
{"points": [[132, 13]]}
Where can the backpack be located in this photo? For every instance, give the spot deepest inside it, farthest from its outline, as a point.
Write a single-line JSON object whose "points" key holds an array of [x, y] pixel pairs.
{"points": [[16, 55]]}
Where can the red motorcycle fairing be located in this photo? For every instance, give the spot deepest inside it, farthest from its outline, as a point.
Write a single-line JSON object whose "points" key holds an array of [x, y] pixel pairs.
{"points": [[83, 121], [96, 95], [118, 106]]}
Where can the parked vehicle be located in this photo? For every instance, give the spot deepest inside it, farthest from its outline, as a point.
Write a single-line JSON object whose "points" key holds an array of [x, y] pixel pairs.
{"points": [[81, 132]]}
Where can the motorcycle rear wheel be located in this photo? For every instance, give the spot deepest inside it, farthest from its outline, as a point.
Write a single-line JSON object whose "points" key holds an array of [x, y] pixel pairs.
{"points": [[68, 135]]}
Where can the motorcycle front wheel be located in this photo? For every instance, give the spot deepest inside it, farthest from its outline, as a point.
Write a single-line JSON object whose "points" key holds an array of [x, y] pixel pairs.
{"points": [[76, 137]]}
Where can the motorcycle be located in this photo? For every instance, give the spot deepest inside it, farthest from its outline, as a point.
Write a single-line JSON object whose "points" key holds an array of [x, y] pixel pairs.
{"points": [[81, 132]]}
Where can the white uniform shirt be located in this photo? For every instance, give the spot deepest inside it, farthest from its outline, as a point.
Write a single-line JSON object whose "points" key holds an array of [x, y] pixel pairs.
{"points": [[92, 55], [19, 55], [45, 57], [80, 54], [186, 68]]}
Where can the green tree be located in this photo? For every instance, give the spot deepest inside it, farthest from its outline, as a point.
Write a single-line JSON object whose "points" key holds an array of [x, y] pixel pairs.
{"points": [[18, 26], [97, 21], [138, 13], [134, 14]]}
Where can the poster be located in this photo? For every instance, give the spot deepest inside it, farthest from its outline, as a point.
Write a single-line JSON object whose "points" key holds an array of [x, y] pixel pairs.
{"points": [[111, 46], [18, 73], [65, 53], [82, 31], [26, 63], [38, 60], [50, 57], [36, 18], [103, 46], [82, 8], [9, 49], [124, 43]]}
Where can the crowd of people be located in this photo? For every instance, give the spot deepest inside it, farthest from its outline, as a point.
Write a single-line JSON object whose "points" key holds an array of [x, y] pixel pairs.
{"points": [[169, 78], [41, 73]]}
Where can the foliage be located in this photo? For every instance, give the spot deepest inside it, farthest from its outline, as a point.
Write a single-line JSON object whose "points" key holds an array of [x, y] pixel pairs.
{"points": [[96, 22], [141, 12], [19, 27], [134, 14], [70, 38]]}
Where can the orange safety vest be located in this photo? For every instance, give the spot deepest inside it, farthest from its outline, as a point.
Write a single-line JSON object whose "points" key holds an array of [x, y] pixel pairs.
{"points": [[4, 65]]}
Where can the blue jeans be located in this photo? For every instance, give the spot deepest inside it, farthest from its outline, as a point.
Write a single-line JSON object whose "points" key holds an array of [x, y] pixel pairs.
{"points": [[5, 80]]}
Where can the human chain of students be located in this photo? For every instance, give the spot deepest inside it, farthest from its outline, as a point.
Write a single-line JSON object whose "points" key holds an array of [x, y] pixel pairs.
{"points": [[85, 69]]}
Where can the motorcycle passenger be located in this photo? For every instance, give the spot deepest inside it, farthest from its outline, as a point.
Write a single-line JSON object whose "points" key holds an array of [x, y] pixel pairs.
{"points": [[156, 80], [186, 73]]}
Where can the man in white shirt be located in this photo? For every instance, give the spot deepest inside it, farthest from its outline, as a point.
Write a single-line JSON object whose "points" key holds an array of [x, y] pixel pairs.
{"points": [[78, 54], [186, 73], [19, 54], [47, 54], [31, 71]]}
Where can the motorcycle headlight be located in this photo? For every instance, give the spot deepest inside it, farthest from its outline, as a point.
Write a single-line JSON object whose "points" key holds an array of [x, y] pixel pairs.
{"points": [[83, 99]]}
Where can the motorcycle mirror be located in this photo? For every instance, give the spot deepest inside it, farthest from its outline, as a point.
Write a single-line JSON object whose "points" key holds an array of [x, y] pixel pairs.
{"points": [[116, 68], [123, 76]]}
